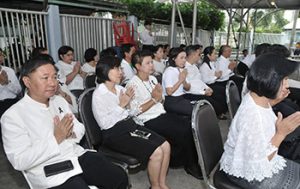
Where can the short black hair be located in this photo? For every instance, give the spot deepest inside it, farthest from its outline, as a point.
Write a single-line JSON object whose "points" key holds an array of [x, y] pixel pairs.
{"points": [[198, 46], [155, 48], [37, 51], [267, 72], [138, 56], [261, 48], [191, 49], [148, 22], [110, 51], [104, 65], [89, 54], [279, 49], [173, 54], [222, 49], [34, 63], [64, 50], [125, 48]]}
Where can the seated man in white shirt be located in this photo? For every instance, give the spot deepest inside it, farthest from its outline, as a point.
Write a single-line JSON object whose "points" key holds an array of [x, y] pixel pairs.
{"points": [[10, 87], [40, 131], [128, 70], [198, 89], [227, 67]]}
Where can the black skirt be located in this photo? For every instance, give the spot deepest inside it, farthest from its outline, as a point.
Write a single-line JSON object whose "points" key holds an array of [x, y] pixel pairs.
{"points": [[119, 138]]}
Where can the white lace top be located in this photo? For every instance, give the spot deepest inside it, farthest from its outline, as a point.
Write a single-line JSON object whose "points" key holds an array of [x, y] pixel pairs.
{"points": [[248, 144]]}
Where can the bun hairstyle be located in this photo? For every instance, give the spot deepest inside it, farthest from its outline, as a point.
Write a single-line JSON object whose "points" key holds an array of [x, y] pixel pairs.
{"points": [[208, 51]]}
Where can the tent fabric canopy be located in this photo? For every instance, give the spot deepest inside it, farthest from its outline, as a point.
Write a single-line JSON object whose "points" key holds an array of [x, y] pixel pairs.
{"points": [[263, 4]]}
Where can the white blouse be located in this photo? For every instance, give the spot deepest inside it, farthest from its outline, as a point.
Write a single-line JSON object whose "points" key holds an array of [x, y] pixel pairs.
{"points": [[248, 144], [222, 65], [105, 106], [128, 71], [142, 94], [146, 38], [29, 142], [87, 68], [207, 73], [64, 70], [170, 77], [198, 87], [13, 88], [159, 67]]}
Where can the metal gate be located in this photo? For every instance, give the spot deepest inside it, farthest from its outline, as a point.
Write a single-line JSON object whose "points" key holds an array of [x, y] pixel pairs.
{"points": [[83, 32], [20, 32]]}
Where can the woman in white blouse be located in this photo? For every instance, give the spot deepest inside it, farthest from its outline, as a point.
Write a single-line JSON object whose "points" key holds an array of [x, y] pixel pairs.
{"points": [[158, 61], [119, 131], [208, 71], [69, 69], [91, 57], [40, 131], [250, 156], [148, 99], [174, 83]]}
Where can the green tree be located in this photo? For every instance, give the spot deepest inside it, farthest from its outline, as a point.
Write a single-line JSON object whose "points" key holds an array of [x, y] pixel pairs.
{"points": [[208, 16], [268, 21]]}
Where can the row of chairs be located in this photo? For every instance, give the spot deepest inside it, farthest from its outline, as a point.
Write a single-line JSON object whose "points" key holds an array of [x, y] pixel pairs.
{"points": [[206, 133], [205, 129]]}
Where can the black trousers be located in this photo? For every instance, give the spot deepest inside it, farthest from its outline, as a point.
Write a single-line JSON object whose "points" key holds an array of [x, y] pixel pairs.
{"points": [[242, 68], [4, 105], [177, 130], [97, 171]]}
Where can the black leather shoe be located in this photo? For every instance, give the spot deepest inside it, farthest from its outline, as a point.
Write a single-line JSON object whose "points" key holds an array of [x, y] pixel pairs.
{"points": [[194, 170]]}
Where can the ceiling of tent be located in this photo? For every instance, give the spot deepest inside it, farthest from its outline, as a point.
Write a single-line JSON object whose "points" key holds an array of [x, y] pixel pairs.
{"points": [[263, 4]]}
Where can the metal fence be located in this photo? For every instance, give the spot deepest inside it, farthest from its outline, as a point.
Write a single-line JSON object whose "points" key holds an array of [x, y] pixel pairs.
{"points": [[162, 35], [83, 32], [20, 31], [221, 38]]}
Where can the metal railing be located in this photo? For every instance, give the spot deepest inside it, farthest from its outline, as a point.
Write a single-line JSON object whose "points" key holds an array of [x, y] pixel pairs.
{"points": [[83, 32], [20, 32]]}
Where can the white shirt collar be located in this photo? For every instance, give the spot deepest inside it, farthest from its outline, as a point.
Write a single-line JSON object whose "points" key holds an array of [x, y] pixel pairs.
{"points": [[33, 102]]}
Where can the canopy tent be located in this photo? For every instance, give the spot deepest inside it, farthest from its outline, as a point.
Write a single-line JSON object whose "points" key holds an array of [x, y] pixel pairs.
{"points": [[236, 4], [262, 4]]}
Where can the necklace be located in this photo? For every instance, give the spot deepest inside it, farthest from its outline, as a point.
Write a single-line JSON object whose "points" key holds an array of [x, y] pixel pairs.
{"points": [[149, 90]]}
